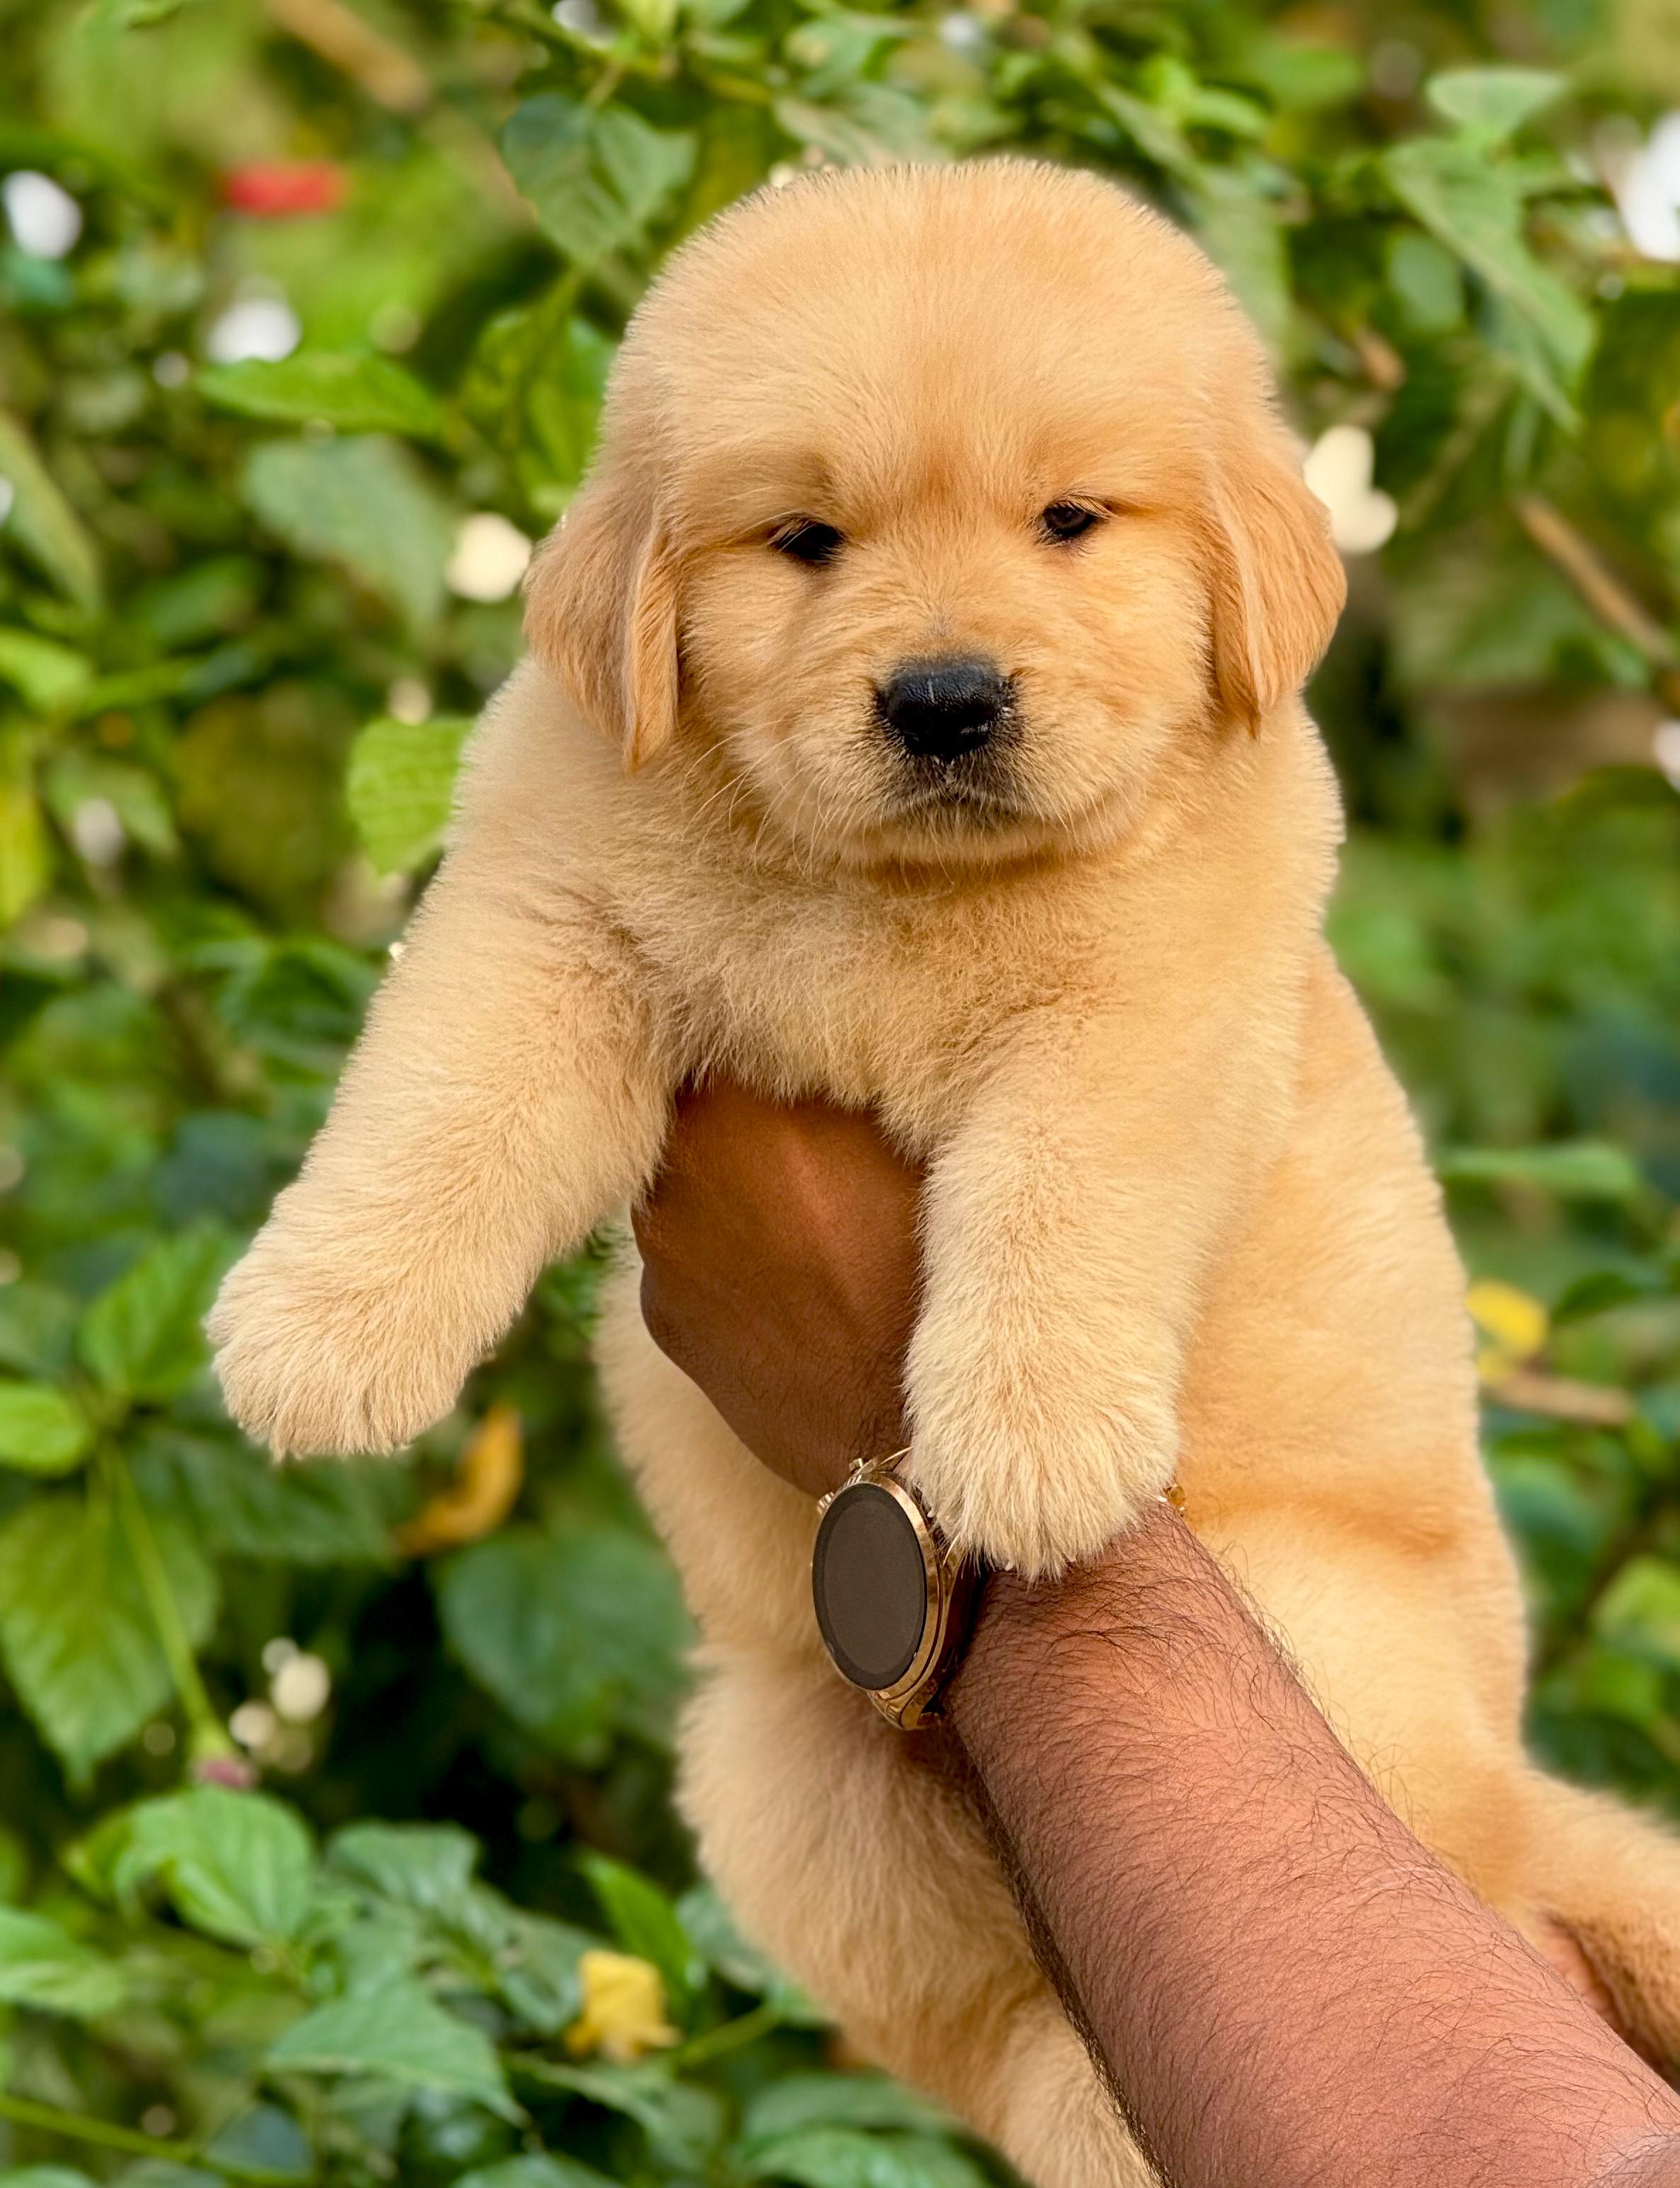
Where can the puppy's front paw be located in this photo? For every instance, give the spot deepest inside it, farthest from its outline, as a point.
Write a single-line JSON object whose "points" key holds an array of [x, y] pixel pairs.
{"points": [[1030, 1465], [315, 1354]]}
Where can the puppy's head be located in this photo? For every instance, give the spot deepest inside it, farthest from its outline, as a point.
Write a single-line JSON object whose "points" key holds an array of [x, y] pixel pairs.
{"points": [[941, 503]]}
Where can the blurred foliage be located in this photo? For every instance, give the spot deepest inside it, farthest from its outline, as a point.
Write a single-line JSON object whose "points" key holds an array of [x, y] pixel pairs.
{"points": [[317, 347]]}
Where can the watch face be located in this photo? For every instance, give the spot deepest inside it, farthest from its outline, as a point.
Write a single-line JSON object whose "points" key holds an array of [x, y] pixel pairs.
{"points": [[869, 1581]]}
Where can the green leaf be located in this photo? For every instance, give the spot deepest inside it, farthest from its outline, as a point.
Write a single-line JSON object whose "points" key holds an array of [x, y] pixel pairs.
{"points": [[339, 1511], [363, 503], [43, 2176], [544, 2170], [575, 1634], [399, 787], [50, 676], [683, 2124], [41, 1965], [646, 1923], [1474, 206], [537, 1971], [357, 394], [37, 1328], [134, 793], [535, 389], [264, 2139], [142, 1339], [1604, 1289], [1640, 1611], [1492, 103], [1573, 1169], [845, 2157], [238, 1866], [40, 522], [801, 2101], [427, 1866], [711, 1927], [26, 854], [597, 176], [41, 1430], [402, 2034], [76, 1634], [1240, 231]]}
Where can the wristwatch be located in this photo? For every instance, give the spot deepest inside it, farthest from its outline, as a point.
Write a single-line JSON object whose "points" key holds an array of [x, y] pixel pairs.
{"points": [[893, 1601]]}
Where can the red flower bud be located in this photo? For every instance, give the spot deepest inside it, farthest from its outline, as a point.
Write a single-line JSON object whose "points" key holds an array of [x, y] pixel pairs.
{"points": [[284, 189]]}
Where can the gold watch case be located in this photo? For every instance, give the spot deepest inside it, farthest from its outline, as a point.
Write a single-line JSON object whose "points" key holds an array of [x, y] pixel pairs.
{"points": [[952, 1585]]}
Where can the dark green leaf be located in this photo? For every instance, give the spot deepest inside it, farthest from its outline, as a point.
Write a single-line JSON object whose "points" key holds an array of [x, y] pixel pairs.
{"points": [[802, 2101], [401, 2035], [683, 2124], [142, 1337], [845, 2157], [1576, 1169], [44, 1966], [363, 504], [426, 1866], [1490, 103], [238, 1866], [646, 1923], [77, 1632], [42, 520], [357, 394], [544, 2170], [598, 176], [336, 1512], [576, 1634]]}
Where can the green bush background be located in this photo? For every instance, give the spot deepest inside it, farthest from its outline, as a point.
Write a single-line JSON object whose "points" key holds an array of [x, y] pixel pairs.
{"points": [[234, 674]]}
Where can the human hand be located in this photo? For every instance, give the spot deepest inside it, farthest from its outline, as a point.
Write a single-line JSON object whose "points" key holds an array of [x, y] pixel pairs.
{"points": [[779, 1273]]}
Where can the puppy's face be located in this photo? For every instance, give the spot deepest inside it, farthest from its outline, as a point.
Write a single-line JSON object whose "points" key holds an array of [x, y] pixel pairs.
{"points": [[945, 503]]}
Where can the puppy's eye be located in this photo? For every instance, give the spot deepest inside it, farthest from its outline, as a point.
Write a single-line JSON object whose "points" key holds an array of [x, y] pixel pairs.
{"points": [[1068, 519], [807, 541]]}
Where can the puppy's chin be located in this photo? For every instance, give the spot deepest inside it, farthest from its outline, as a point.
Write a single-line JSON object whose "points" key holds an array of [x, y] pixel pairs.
{"points": [[954, 830]]}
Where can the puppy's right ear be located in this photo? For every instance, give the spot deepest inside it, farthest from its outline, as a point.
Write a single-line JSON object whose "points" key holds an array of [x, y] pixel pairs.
{"points": [[1276, 582], [600, 611]]}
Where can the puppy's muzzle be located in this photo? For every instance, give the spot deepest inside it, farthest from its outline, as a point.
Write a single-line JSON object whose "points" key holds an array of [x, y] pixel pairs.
{"points": [[945, 710]]}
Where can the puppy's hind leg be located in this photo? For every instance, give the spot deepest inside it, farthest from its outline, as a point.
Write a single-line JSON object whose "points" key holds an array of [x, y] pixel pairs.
{"points": [[856, 1858]]}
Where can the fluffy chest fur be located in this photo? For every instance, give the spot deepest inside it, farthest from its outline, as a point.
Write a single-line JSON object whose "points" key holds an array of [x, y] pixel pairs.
{"points": [[898, 990]]}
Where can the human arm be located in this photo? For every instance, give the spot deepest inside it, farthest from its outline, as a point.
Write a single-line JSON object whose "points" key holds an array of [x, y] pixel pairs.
{"points": [[1286, 1987]]}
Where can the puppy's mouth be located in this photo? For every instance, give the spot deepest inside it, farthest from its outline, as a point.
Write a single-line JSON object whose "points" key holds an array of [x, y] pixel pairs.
{"points": [[981, 799]]}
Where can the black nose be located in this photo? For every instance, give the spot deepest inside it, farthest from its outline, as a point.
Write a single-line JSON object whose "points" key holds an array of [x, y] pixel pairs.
{"points": [[944, 709]]}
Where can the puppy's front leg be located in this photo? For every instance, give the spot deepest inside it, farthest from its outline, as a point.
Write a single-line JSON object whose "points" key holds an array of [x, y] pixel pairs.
{"points": [[506, 1094], [1068, 1225]]}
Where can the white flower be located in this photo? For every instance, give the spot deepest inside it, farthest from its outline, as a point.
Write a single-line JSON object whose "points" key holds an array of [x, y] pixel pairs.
{"points": [[489, 558], [45, 220], [264, 327], [1338, 470]]}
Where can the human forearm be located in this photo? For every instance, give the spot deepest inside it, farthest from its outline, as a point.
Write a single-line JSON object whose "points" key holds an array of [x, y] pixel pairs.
{"points": [[1285, 1986]]}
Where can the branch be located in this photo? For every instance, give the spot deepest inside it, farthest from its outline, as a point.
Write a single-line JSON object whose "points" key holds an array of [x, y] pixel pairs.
{"points": [[1604, 592]]}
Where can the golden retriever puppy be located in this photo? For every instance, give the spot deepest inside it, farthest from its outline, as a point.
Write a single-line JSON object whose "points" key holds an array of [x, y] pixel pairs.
{"points": [[914, 718]]}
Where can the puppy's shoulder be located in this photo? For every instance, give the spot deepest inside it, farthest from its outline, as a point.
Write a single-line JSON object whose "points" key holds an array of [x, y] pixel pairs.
{"points": [[537, 775]]}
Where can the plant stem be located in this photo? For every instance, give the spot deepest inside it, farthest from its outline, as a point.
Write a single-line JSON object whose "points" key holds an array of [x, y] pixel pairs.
{"points": [[208, 1736], [80, 2127], [714, 2042]]}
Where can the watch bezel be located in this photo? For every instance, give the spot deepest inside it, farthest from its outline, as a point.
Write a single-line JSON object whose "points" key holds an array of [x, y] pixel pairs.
{"points": [[950, 1581]]}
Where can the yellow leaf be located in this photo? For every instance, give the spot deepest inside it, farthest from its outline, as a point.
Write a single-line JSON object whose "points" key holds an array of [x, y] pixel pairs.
{"points": [[623, 2013], [482, 1493], [1514, 1321]]}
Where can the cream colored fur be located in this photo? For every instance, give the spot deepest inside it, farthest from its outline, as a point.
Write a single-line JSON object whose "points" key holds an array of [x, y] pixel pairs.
{"points": [[1178, 1221]]}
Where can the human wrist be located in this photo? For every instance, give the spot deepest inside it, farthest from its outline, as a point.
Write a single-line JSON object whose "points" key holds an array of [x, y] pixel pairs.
{"points": [[1096, 1629]]}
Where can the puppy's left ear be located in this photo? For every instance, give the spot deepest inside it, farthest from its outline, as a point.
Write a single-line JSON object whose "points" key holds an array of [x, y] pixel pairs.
{"points": [[600, 610], [1276, 582]]}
